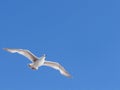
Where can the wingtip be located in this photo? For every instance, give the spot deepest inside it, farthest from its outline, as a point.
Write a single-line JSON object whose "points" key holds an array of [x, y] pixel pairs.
{"points": [[69, 76], [4, 48]]}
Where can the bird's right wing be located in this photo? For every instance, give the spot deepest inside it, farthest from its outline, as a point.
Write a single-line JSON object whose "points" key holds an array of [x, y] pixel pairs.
{"points": [[23, 52], [57, 66]]}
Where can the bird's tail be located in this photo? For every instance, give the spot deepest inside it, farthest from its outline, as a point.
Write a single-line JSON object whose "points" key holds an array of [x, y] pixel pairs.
{"points": [[32, 67]]}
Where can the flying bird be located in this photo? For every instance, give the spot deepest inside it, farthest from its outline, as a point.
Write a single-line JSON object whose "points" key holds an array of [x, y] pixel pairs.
{"points": [[38, 62]]}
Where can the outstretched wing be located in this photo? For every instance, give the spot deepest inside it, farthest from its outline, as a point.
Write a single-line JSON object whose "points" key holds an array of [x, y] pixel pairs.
{"points": [[57, 66], [23, 52]]}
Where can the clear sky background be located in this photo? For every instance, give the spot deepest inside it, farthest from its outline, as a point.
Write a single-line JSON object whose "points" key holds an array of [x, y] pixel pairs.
{"points": [[82, 35]]}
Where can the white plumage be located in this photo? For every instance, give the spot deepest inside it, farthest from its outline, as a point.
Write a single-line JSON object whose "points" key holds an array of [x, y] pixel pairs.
{"points": [[37, 62]]}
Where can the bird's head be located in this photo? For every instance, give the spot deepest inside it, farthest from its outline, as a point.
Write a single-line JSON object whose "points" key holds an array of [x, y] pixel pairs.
{"points": [[43, 56]]}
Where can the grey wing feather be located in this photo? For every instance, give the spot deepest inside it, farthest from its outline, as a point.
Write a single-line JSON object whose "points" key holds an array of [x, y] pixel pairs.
{"points": [[23, 52], [57, 66]]}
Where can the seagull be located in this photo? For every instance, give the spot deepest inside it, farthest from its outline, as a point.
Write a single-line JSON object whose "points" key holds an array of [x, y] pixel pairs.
{"points": [[38, 62]]}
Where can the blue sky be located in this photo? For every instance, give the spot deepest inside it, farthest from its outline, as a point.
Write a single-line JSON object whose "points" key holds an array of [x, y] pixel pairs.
{"points": [[82, 35]]}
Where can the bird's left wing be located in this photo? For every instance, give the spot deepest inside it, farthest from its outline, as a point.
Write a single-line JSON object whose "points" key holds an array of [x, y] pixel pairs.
{"points": [[57, 66]]}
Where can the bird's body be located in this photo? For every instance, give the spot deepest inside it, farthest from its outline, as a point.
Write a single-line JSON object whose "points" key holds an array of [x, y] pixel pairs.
{"points": [[38, 62]]}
